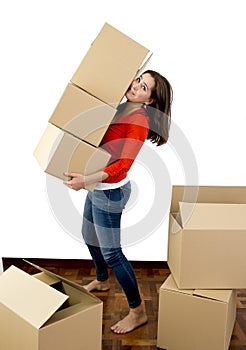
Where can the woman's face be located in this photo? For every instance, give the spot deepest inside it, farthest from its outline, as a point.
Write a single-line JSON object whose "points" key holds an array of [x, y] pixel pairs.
{"points": [[140, 89]]}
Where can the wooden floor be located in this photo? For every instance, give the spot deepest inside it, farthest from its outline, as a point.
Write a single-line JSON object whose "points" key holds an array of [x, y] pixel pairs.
{"points": [[150, 276]]}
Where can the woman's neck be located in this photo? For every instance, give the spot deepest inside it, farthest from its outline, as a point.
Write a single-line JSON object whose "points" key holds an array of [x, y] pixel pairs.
{"points": [[126, 108], [131, 106]]}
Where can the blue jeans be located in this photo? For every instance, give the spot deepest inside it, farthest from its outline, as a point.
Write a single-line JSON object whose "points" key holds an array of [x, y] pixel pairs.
{"points": [[101, 232]]}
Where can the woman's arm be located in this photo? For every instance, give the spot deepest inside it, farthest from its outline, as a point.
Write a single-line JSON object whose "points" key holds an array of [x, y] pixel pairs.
{"points": [[136, 133], [80, 181]]}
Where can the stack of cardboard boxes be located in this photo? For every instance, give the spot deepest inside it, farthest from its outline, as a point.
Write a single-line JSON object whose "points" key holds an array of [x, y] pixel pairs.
{"points": [[88, 105], [206, 257]]}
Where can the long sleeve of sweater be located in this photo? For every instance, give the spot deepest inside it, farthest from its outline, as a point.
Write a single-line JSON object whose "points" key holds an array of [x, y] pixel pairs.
{"points": [[123, 141]]}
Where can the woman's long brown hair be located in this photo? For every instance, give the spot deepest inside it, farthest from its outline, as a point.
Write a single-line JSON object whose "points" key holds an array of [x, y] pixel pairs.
{"points": [[160, 110]]}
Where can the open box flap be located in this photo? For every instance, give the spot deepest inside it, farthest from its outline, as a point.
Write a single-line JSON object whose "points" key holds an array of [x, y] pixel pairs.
{"points": [[213, 215], [42, 276], [53, 275], [207, 194], [29, 298]]}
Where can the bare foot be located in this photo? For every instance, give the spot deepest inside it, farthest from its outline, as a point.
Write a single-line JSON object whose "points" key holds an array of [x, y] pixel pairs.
{"points": [[134, 319], [97, 286]]}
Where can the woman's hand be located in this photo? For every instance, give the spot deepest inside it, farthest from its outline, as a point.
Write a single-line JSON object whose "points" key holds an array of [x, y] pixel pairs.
{"points": [[77, 181]]}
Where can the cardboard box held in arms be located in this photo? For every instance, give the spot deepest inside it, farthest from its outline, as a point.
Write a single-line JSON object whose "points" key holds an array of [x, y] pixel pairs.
{"points": [[58, 152], [195, 319], [207, 237], [110, 65], [47, 312], [88, 103], [82, 115]]}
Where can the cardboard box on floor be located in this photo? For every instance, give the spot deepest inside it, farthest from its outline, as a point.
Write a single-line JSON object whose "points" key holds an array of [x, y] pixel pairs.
{"points": [[82, 115], [195, 319], [207, 237], [110, 65], [58, 152], [47, 312]]}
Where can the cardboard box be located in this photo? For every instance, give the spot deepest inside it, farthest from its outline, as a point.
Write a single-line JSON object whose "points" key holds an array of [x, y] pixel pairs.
{"points": [[195, 319], [58, 152], [207, 237], [82, 115], [110, 65], [1, 266], [47, 312]]}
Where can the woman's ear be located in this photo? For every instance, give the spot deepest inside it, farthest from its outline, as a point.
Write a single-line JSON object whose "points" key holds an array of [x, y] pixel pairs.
{"points": [[150, 101]]}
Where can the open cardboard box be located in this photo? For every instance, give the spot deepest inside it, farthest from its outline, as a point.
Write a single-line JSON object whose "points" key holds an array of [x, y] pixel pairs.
{"points": [[58, 152], [207, 237], [47, 312], [110, 65], [82, 115], [195, 319]]}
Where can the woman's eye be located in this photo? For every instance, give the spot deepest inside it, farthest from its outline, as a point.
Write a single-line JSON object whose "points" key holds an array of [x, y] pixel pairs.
{"points": [[138, 80], [144, 87]]}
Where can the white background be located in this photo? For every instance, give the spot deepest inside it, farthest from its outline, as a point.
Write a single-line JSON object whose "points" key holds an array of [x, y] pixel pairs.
{"points": [[198, 45]]}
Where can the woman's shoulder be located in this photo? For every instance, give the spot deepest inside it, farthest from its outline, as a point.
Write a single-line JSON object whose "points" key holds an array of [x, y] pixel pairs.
{"points": [[138, 116]]}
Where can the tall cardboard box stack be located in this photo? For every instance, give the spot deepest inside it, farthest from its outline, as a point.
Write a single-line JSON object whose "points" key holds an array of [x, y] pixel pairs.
{"points": [[88, 104], [206, 257]]}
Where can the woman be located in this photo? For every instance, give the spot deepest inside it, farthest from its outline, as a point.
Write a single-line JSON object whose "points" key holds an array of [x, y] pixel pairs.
{"points": [[145, 115]]}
